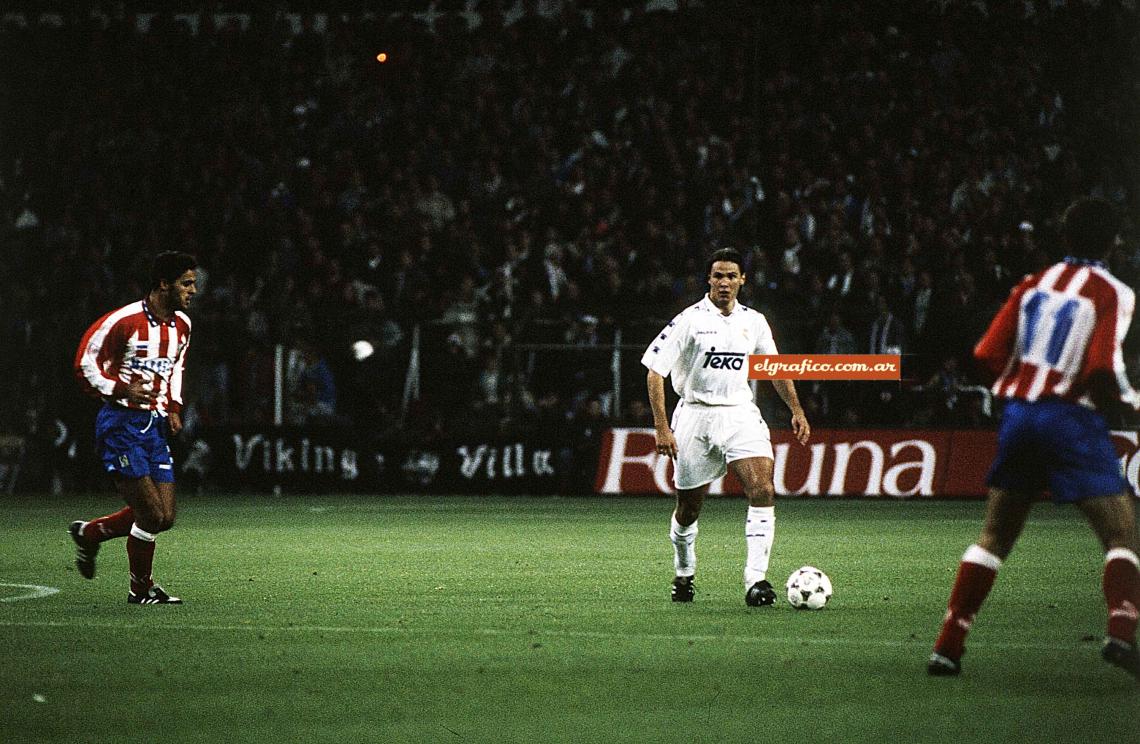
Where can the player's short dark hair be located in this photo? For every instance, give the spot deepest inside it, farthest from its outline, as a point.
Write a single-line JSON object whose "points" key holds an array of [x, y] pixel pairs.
{"points": [[726, 254], [1089, 227], [168, 266]]}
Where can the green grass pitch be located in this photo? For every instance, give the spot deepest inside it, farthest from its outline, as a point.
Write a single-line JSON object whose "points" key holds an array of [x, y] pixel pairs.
{"points": [[467, 619]]}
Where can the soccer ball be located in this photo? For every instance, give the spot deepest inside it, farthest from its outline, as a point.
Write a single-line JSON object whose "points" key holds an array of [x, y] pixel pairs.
{"points": [[808, 588]]}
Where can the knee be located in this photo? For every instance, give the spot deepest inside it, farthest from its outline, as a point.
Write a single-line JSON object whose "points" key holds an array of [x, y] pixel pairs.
{"points": [[150, 523], [686, 514], [762, 494], [155, 522]]}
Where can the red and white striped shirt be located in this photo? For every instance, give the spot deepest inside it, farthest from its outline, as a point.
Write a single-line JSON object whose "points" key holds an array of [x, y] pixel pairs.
{"points": [[128, 343], [1058, 328]]}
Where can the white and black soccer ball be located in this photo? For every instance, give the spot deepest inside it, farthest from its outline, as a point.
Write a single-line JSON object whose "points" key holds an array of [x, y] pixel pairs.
{"points": [[808, 588]]}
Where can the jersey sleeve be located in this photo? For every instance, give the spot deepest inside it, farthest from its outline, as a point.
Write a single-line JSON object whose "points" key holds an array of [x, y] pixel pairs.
{"points": [[96, 350], [765, 341], [1105, 353], [665, 349], [994, 348]]}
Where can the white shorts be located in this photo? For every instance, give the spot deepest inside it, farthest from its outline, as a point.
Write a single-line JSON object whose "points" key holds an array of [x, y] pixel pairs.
{"points": [[710, 437]]}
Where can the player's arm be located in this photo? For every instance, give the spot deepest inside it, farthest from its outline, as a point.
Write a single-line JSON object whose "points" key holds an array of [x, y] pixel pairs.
{"points": [[95, 350], [666, 442], [1107, 380], [800, 426], [175, 404], [659, 358], [766, 344], [993, 350], [102, 344]]}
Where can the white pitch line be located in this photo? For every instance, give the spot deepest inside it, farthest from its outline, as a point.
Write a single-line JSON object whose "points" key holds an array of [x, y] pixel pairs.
{"points": [[36, 592], [759, 638]]}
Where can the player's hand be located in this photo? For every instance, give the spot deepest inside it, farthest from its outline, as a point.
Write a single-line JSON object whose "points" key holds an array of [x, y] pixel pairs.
{"points": [[800, 426], [140, 393], [175, 423], [666, 443]]}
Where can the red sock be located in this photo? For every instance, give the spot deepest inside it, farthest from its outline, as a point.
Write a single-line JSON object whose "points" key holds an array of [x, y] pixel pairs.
{"points": [[110, 526], [140, 555], [976, 574], [1122, 593]]}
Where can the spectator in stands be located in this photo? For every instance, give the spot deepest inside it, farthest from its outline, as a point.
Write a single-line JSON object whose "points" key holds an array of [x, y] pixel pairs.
{"points": [[313, 398], [830, 396], [887, 334], [835, 338], [448, 382], [943, 387]]}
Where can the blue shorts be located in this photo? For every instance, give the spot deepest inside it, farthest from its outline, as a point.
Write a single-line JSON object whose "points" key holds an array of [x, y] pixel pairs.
{"points": [[133, 444], [1057, 445]]}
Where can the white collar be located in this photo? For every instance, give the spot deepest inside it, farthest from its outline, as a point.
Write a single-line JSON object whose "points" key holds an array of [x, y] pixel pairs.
{"points": [[707, 304]]}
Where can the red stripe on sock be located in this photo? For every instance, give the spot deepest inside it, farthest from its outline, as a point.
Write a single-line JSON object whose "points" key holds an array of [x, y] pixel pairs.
{"points": [[971, 587], [140, 554], [110, 526], [1122, 595]]}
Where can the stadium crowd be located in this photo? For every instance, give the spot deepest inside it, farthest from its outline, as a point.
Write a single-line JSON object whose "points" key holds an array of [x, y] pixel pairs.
{"points": [[548, 172]]}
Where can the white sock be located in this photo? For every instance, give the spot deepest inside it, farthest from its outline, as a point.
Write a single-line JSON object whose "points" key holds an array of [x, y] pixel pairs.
{"points": [[982, 557], [1123, 554], [759, 533], [141, 534], [684, 547]]}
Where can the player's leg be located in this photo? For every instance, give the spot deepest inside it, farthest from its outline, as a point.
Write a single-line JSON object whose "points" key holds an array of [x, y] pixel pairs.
{"points": [[1088, 468], [142, 495], [167, 504], [1113, 518], [683, 536], [88, 536], [153, 505], [694, 468], [755, 475], [117, 442], [1006, 512], [116, 524]]}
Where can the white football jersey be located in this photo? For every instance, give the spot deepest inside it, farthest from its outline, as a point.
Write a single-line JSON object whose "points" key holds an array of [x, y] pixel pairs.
{"points": [[705, 352]]}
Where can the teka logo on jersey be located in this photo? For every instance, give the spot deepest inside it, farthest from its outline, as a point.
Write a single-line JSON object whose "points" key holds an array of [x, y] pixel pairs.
{"points": [[160, 366], [723, 359]]}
